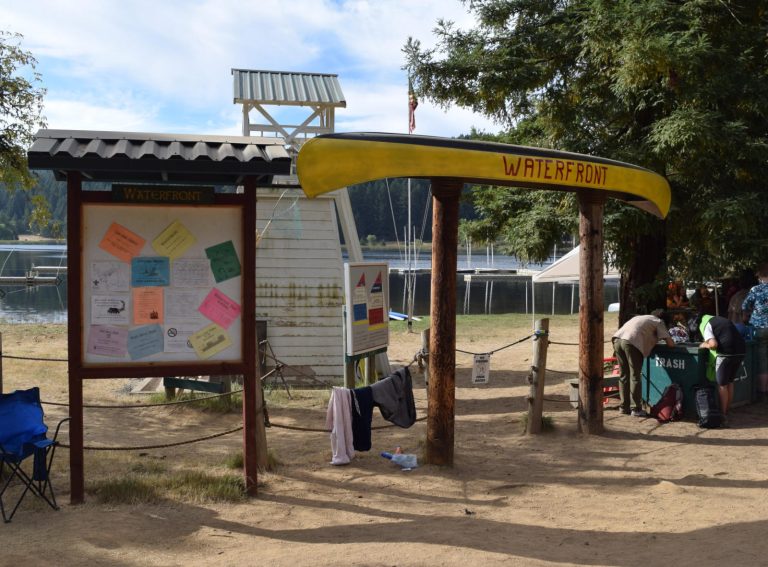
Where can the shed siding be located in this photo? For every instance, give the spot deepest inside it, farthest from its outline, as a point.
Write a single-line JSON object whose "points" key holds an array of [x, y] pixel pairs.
{"points": [[300, 284]]}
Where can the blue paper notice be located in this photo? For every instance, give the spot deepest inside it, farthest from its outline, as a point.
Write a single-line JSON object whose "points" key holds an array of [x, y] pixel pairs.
{"points": [[150, 271], [145, 341]]}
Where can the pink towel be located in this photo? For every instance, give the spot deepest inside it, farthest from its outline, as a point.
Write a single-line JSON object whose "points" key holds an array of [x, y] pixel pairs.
{"points": [[339, 421]]}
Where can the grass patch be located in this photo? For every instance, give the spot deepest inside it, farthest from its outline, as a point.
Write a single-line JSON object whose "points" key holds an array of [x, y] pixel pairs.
{"points": [[547, 423], [306, 398], [145, 485], [508, 325], [203, 401], [236, 461]]}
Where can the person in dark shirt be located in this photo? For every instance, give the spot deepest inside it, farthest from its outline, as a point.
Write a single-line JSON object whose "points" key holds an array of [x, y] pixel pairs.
{"points": [[727, 347]]}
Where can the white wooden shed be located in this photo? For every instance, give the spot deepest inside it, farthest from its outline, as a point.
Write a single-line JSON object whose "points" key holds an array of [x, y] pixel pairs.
{"points": [[299, 265]]}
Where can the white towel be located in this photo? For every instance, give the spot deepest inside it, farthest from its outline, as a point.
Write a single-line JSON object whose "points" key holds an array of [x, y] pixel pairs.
{"points": [[339, 421]]}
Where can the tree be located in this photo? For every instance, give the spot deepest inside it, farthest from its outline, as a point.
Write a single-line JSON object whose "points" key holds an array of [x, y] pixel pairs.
{"points": [[21, 106], [680, 87]]}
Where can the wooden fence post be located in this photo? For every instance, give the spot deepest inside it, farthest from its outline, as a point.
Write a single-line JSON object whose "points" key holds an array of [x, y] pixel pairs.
{"points": [[424, 359], [538, 373], [370, 375]]}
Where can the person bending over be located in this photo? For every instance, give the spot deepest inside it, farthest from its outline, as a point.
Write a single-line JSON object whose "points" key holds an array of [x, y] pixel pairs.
{"points": [[632, 343], [727, 348]]}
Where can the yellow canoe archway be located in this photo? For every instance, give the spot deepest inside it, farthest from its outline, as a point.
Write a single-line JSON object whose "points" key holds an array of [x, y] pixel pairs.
{"points": [[332, 161]]}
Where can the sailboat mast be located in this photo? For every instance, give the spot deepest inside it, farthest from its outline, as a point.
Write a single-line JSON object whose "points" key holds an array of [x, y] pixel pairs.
{"points": [[409, 276]]}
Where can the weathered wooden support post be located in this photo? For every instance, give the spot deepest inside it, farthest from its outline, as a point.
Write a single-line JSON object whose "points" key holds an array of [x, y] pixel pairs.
{"points": [[538, 372], [349, 373], [442, 338], [254, 429], [424, 358], [74, 339], [591, 313], [370, 375]]}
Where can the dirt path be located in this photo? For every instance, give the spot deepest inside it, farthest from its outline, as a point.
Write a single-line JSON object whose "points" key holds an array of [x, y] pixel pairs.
{"points": [[643, 493]]}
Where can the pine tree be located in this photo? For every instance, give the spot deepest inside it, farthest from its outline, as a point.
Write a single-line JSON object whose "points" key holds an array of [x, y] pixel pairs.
{"points": [[679, 87]]}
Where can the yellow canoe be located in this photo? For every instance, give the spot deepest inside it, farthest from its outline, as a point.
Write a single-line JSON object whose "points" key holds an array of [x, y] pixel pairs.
{"points": [[332, 161]]}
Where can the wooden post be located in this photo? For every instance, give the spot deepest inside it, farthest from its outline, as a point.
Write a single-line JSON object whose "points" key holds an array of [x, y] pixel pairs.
{"points": [[442, 338], [74, 338], [425, 359], [591, 313], [254, 430], [370, 375], [349, 374], [538, 373]]}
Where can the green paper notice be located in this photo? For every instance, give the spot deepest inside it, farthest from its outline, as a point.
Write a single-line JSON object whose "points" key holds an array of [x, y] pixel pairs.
{"points": [[225, 264]]}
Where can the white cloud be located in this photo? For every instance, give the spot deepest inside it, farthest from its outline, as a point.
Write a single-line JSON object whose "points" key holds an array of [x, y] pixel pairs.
{"points": [[63, 114], [173, 58], [384, 108]]}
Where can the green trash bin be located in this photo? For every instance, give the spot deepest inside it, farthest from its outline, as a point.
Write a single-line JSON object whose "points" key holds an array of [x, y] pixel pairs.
{"points": [[745, 384], [686, 364]]}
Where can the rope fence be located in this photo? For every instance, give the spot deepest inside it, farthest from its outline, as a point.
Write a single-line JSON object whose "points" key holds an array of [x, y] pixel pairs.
{"points": [[419, 357]]}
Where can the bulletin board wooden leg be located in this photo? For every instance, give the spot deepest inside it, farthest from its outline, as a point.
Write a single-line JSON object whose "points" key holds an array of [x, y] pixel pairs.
{"points": [[250, 459]]}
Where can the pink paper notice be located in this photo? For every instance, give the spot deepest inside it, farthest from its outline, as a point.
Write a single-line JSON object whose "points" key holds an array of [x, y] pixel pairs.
{"points": [[219, 308]]}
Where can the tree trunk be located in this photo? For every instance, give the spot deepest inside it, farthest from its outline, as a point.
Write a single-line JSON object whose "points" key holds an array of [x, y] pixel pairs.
{"points": [[642, 289]]}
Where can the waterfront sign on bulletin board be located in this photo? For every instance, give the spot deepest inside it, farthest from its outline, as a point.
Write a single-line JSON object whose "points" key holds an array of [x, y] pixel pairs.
{"points": [[367, 301]]}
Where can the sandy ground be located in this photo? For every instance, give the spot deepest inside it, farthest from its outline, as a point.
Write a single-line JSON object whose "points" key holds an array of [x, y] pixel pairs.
{"points": [[642, 493]]}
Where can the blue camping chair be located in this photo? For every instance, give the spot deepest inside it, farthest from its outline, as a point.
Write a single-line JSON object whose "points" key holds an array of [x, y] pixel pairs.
{"points": [[23, 434]]}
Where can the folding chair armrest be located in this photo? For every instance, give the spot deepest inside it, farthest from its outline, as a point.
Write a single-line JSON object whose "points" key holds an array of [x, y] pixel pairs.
{"points": [[56, 435], [43, 443]]}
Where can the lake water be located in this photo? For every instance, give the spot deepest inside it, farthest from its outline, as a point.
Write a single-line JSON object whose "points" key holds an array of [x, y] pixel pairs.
{"points": [[48, 303], [32, 304]]}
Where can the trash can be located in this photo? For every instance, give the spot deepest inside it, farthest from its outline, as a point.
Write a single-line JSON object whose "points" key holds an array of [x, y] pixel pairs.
{"points": [[745, 384], [686, 364]]}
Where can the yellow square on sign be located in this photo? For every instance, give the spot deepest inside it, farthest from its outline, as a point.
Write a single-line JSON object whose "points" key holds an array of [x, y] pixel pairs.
{"points": [[173, 241], [210, 341]]}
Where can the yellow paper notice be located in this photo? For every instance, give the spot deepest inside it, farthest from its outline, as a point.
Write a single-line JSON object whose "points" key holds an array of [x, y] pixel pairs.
{"points": [[210, 341], [173, 241]]}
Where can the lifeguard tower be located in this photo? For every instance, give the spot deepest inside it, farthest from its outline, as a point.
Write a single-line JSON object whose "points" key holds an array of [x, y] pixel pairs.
{"points": [[300, 275]]}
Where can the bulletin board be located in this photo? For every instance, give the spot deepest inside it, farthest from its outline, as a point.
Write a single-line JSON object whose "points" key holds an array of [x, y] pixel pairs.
{"points": [[161, 284]]}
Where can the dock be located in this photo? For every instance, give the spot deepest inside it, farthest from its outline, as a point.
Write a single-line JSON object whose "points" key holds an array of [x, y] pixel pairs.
{"points": [[31, 278]]}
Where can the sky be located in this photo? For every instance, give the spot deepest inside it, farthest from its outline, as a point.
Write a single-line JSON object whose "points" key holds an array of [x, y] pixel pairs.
{"points": [[164, 66]]}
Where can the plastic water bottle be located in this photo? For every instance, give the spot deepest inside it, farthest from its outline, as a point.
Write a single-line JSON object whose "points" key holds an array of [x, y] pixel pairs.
{"points": [[405, 460]]}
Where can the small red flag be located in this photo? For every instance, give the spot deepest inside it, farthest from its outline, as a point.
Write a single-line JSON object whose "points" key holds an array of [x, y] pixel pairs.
{"points": [[412, 104]]}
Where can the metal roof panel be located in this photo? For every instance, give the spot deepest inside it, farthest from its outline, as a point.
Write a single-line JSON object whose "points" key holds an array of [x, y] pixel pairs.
{"points": [[132, 156], [287, 88]]}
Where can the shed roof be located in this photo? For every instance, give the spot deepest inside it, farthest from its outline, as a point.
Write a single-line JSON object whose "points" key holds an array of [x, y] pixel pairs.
{"points": [[287, 88], [136, 157]]}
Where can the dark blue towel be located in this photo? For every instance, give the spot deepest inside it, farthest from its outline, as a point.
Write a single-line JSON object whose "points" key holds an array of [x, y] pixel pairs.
{"points": [[362, 415]]}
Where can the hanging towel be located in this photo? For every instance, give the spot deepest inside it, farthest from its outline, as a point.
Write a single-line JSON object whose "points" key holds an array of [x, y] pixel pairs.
{"points": [[339, 420], [362, 415], [394, 397]]}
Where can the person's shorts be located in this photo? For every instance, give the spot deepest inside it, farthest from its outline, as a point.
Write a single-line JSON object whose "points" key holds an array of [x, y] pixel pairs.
{"points": [[726, 369]]}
